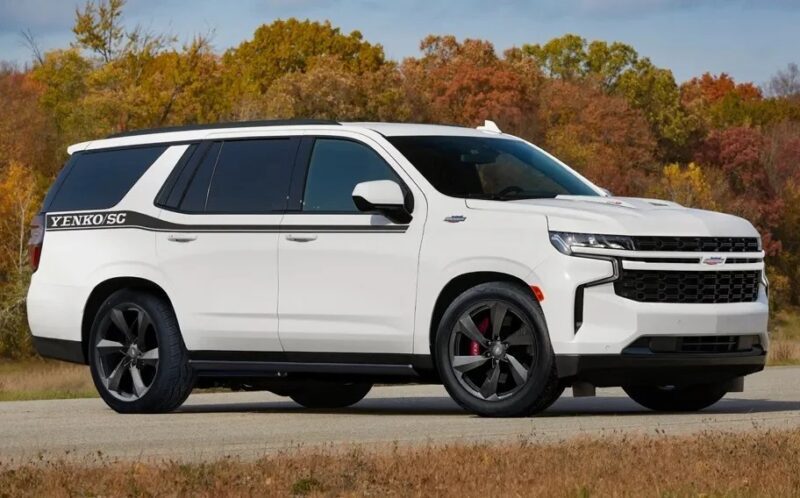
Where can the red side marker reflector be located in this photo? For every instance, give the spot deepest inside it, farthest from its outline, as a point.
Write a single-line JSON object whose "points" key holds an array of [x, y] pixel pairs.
{"points": [[537, 292]]}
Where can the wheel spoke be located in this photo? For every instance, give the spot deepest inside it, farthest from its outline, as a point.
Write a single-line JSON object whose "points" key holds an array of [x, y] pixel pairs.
{"points": [[518, 371], [150, 357], [108, 347], [498, 312], [489, 387], [143, 322], [138, 384], [469, 329], [521, 337], [467, 363], [116, 375], [119, 320]]}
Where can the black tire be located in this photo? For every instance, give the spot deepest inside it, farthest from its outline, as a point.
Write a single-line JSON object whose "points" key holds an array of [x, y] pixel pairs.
{"points": [[160, 359], [676, 398], [525, 396], [330, 394]]}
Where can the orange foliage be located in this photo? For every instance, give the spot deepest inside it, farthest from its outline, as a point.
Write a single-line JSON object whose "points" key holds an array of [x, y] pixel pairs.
{"points": [[714, 88], [599, 134]]}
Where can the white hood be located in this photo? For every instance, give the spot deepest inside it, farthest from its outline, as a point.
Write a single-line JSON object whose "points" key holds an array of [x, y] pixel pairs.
{"points": [[624, 216]]}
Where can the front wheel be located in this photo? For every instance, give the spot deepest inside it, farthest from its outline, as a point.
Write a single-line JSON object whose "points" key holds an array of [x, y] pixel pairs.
{"points": [[493, 352], [137, 358], [676, 398], [330, 394]]}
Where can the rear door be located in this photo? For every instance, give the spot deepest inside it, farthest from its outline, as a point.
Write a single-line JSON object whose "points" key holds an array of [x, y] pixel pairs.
{"points": [[347, 279], [218, 244]]}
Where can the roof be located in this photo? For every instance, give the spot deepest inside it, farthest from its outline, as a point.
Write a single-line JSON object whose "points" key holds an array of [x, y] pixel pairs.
{"points": [[224, 126], [200, 132]]}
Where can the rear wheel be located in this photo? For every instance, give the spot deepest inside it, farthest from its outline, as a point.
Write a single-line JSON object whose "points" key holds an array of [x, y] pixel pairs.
{"points": [[493, 352], [676, 398], [330, 394], [136, 354]]}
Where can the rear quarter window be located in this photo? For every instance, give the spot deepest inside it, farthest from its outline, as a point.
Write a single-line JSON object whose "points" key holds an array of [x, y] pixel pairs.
{"points": [[100, 179]]}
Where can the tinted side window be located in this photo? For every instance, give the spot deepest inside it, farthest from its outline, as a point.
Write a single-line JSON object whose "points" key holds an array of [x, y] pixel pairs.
{"points": [[336, 166], [194, 200], [177, 180], [99, 180], [251, 176]]}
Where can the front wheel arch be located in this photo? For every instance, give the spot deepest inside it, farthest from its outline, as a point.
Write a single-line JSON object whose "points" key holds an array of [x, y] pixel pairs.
{"points": [[457, 286]]}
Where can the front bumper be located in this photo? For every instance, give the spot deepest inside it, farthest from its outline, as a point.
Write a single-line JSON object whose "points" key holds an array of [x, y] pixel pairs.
{"points": [[586, 318], [658, 369]]}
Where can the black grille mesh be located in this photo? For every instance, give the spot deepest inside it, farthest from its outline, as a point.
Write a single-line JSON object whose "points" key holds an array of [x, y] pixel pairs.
{"points": [[709, 344], [649, 286], [700, 344], [696, 244]]}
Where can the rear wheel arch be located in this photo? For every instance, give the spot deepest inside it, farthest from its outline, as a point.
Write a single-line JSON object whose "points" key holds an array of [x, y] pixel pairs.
{"points": [[103, 291]]}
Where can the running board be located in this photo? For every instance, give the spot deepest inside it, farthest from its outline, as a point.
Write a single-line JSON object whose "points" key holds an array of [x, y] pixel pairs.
{"points": [[276, 368], [277, 363]]}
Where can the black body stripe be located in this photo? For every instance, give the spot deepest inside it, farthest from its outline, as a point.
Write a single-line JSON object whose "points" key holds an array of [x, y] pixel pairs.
{"points": [[106, 220]]}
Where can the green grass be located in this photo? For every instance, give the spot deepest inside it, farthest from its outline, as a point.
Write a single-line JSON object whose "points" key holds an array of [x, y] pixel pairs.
{"points": [[41, 379], [712, 464], [785, 338], [45, 394]]}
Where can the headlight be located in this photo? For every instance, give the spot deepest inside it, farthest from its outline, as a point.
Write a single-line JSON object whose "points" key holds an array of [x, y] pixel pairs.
{"points": [[565, 241]]}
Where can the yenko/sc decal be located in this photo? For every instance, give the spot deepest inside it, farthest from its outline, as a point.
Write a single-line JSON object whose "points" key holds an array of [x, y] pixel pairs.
{"points": [[133, 219], [86, 220]]}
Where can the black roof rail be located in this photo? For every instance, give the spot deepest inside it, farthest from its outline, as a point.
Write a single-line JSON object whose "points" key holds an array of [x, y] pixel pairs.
{"points": [[222, 126]]}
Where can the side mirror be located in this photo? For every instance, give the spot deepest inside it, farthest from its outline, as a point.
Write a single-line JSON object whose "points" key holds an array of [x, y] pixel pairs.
{"points": [[383, 196], [607, 192]]}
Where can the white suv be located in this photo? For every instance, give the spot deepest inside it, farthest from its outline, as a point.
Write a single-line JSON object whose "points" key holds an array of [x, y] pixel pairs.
{"points": [[315, 259]]}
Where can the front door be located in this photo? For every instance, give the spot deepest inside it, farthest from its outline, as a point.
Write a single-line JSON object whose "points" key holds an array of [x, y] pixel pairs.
{"points": [[347, 279]]}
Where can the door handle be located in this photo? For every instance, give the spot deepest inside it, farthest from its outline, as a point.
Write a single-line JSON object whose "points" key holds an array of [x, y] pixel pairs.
{"points": [[306, 237], [181, 238]]}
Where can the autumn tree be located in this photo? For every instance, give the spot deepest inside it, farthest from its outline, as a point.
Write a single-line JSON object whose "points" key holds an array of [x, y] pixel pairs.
{"points": [[571, 57], [599, 134], [19, 198], [328, 90], [719, 102], [115, 79], [27, 135], [20, 195], [785, 83], [467, 83], [688, 186], [98, 28], [738, 153], [285, 47], [620, 71]]}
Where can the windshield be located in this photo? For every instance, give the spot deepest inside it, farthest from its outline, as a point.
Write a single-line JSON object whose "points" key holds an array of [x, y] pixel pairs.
{"points": [[488, 168]]}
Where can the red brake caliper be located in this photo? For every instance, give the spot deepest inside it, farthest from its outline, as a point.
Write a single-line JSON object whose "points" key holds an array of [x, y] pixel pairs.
{"points": [[475, 346]]}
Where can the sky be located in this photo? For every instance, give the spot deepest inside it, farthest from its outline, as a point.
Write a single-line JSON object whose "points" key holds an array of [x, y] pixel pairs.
{"points": [[748, 39]]}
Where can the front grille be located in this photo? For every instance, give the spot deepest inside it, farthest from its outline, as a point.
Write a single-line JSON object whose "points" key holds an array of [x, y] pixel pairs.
{"points": [[696, 244], [704, 344], [649, 286]]}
